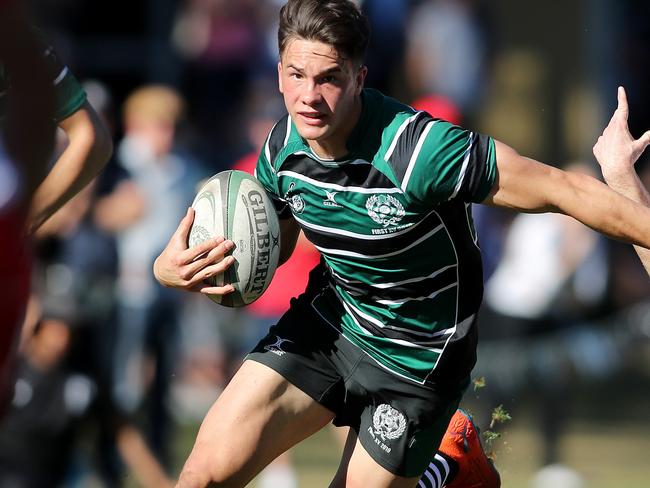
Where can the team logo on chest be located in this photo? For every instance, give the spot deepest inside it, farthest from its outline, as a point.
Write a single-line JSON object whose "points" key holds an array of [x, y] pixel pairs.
{"points": [[388, 422], [330, 201], [385, 209], [294, 200]]}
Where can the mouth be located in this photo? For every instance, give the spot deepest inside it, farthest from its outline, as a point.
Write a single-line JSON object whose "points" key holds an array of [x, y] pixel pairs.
{"points": [[312, 118]]}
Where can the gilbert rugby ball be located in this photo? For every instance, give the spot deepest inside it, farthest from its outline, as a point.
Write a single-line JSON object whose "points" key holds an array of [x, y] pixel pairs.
{"points": [[234, 204]]}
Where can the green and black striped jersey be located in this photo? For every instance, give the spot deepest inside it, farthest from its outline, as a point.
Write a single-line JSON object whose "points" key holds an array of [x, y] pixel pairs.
{"points": [[70, 96], [393, 223]]}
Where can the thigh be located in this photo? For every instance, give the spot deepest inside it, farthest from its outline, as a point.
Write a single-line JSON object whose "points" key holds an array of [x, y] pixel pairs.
{"points": [[359, 469], [257, 417], [401, 423]]}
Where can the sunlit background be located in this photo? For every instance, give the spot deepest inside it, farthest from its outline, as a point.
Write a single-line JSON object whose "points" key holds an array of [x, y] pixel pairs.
{"points": [[565, 332]]}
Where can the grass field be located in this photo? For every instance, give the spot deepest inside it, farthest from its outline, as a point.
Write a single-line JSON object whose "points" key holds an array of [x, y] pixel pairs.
{"points": [[607, 439], [610, 455]]}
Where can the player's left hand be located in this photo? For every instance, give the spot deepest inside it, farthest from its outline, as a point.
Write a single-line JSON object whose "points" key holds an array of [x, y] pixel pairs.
{"points": [[616, 149]]}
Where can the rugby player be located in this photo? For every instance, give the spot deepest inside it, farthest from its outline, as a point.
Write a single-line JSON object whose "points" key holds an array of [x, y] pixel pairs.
{"points": [[384, 338]]}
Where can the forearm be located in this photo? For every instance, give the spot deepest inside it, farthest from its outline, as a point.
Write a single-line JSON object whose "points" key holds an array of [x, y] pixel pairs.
{"points": [[88, 150], [629, 184], [607, 211]]}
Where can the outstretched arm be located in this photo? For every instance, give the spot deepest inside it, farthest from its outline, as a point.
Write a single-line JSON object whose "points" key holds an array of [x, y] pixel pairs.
{"points": [[617, 152], [529, 186]]}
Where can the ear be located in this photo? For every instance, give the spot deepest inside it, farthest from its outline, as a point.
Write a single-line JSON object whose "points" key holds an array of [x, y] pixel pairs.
{"points": [[280, 76], [361, 79]]}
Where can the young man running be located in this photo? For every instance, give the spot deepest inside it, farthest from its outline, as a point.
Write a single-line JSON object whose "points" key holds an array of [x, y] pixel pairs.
{"points": [[384, 337]]}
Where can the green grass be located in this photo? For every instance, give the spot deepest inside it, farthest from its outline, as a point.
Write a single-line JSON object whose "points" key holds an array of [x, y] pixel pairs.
{"points": [[610, 454]]}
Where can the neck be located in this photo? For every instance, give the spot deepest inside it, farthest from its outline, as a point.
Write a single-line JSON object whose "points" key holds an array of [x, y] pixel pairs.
{"points": [[336, 146]]}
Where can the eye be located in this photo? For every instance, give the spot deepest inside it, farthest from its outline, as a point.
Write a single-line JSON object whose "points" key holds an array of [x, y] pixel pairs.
{"points": [[329, 79], [295, 76]]}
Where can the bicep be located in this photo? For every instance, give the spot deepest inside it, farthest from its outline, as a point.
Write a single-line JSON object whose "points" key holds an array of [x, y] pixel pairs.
{"points": [[525, 184]]}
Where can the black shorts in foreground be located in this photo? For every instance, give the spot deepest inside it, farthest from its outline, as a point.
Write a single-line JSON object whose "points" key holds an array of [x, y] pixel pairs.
{"points": [[399, 423]]}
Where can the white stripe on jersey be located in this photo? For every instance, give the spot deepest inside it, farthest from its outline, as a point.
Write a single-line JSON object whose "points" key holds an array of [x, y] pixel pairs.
{"points": [[427, 335], [341, 232], [379, 363], [286, 137], [333, 186], [463, 169], [400, 342], [417, 299], [59, 78], [416, 154], [412, 280], [401, 129], [267, 149], [340, 252]]}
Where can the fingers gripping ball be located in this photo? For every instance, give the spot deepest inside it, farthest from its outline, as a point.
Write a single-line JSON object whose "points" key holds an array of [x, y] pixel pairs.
{"points": [[234, 204]]}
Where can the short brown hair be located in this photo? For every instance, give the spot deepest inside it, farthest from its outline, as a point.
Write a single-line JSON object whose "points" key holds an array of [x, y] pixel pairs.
{"points": [[338, 23]]}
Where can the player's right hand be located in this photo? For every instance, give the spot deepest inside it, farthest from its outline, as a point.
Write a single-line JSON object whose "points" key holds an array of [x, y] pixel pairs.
{"points": [[187, 268]]}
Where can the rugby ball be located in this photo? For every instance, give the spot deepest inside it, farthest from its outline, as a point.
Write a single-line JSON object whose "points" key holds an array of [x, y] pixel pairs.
{"points": [[234, 204]]}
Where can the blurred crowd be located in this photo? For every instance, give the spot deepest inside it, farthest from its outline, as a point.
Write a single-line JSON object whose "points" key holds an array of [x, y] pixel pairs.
{"points": [[112, 363]]}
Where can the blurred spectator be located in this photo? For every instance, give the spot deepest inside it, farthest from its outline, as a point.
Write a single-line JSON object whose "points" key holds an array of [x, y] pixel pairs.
{"points": [[388, 22], [51, 403], [36, 436], [445, 52], [160, 185], [222, 44]]}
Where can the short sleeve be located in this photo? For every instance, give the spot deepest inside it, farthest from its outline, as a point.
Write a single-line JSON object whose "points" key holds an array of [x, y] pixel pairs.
{"points": [[449, 162]]}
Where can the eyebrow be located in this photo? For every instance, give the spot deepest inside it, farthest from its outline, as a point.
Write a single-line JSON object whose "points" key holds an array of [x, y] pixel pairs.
{"points": [[333, 69]]}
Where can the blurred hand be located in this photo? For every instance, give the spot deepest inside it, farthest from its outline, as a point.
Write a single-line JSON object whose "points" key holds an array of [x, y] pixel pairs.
{"points": [[616, 149], [187, 268]]}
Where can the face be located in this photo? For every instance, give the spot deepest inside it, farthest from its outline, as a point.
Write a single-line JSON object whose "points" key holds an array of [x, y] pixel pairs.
{"points": [[322, 94]]}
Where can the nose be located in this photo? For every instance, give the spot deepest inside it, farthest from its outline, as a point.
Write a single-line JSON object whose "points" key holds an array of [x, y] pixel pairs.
{"points": [[312, 93]]}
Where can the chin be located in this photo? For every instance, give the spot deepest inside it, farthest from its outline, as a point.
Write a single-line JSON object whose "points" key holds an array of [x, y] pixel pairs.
{"points": [[312, 133]]}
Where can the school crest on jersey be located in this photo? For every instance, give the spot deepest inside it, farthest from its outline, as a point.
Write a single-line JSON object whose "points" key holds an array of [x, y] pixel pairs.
{"points": [[389, 423], [294, 200], [385, 209]]}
